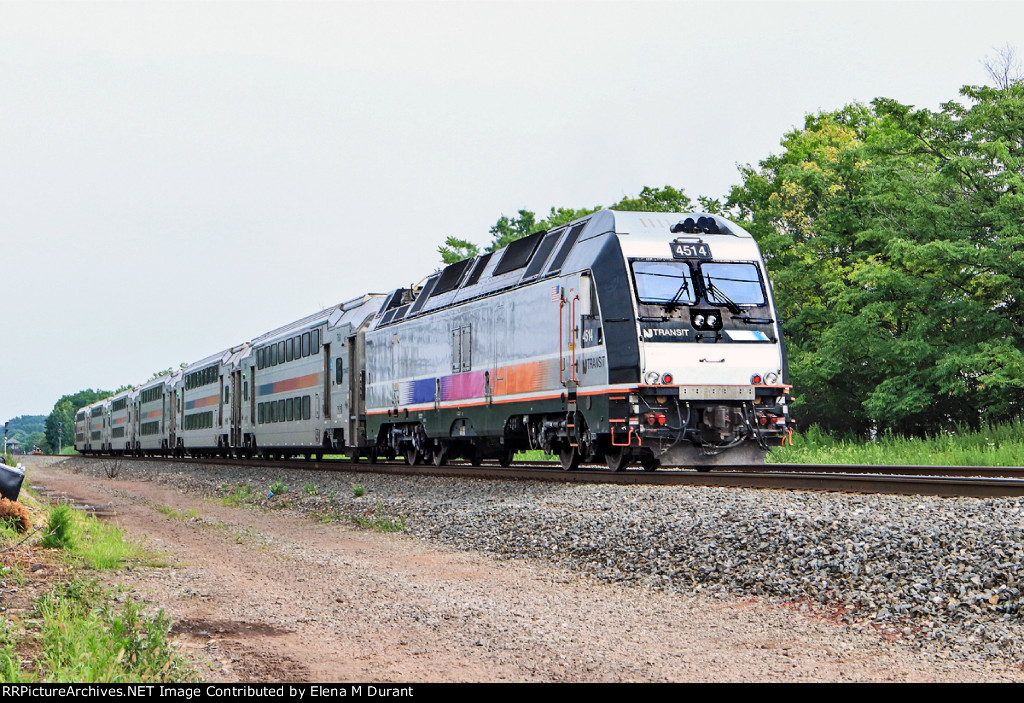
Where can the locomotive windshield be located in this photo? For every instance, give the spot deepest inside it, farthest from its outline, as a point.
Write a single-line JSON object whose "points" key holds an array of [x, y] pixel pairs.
{"points": [[663, 282], [732, 283], [676, 283]]}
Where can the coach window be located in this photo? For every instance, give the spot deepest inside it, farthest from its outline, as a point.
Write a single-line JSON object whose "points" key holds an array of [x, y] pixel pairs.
{"points": [[280, 352], [305, 407], [339, 371], [273, 355], [280, 410], [261, 410], [315, 349], [290, 409], [305, 344], [289, 351]]}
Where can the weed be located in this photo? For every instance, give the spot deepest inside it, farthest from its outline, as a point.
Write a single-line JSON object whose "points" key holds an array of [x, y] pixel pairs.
{"points": [[191, 514], [375, 520], [241, 495], [358, 490], [311, 490], [330, 495], [86, 637], [60, 527], [112, 468], [278, 488]]}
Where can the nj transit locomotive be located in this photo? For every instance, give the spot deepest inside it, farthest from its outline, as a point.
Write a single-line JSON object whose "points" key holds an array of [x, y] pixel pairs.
{"points": [[623, 337]]}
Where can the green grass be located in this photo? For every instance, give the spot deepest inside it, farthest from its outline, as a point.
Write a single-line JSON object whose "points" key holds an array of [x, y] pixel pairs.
{"points": [[79, 631], [358, 490], [191, 514], [241, 494], [84, 635], [999, 445], [278, 488], [103, 546], [311, 489]]}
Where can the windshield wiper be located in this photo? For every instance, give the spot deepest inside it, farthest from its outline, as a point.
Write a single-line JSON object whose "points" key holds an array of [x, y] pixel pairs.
{"points": [[719, 295], [683, 288]]}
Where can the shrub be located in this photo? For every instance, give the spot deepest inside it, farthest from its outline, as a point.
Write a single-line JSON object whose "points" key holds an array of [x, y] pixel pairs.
{"points": [[60, 527], [358, 490]]}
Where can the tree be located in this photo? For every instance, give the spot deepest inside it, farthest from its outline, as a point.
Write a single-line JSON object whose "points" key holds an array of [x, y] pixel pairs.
{"points": [[508, 229], [1004, 68], [64, 411], [895, 242], [454, 250]]}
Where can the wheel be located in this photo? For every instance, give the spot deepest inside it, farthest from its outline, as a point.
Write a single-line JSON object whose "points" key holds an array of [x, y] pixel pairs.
{"points": [[617, 458], [569, 457], [440, 455], [505, 458], [649, 462], [412, 455]]}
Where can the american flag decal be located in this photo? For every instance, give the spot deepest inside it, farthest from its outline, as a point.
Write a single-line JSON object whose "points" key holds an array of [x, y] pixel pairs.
{"points": [[556, 293]]}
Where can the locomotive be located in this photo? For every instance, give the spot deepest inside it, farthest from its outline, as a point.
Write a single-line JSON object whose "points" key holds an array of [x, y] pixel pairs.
{"points": [[622, 337]]}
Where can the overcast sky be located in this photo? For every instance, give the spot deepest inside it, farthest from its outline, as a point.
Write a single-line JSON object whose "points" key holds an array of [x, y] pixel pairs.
{"points": [[176, 178]]}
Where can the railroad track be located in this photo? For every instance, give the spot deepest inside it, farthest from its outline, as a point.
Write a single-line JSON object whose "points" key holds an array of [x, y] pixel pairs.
{"points": [[947, 481]]}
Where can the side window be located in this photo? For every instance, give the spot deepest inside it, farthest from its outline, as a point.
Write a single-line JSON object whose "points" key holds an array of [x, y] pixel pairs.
{"points": [[305, 344], [291, 409], [289, 350], [339, 371], [280, 410], [262, 409], [305, 408], [316, 342], [280, 352]]}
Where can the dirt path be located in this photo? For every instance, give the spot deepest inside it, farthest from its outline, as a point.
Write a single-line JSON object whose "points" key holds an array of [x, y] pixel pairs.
{"points": [[261, 595]]}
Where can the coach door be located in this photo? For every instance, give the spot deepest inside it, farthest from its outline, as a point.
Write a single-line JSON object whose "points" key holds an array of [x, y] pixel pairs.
{"points": [[502, 337], [356, 390], [236, 408], [327, 384], [172, 416]]}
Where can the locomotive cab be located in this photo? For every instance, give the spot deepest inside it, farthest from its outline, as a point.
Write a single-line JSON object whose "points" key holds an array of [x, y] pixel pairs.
{"points": [[712, 385]]}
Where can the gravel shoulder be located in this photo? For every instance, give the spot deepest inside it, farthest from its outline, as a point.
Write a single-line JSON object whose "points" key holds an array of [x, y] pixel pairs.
{"points": [[477, 588]]}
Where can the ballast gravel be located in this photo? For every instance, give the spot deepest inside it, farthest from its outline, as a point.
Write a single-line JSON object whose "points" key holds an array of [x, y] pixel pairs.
{"points": [[941, 573]]}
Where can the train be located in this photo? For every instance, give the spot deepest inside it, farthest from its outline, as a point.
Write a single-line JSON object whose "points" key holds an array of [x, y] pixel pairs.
{"points": [[621, 338]]}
